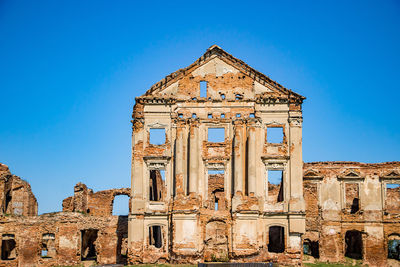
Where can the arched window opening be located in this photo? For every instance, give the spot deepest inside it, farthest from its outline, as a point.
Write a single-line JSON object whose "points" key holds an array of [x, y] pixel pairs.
{"points": [[121, 205], [276, 238], [354, 245], [394, 247]]}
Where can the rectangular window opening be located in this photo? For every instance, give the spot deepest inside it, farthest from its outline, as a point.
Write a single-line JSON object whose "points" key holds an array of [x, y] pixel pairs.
{"points": [[88, 244], [216, 195], [352, 197], [8, 247], [392, 198], [216, 135], [209, 116], [157, 188], [203, 89], [275, 135], [275, 185], [48, 246], [157, 136], [276, 239], [155, 236]]}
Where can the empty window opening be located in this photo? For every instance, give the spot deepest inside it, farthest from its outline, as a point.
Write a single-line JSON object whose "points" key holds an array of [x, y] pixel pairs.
{"points": [[209, 116], [276, 238], [8, 247], [275, 185], [8, 201], [120, 205], [157, 136], [216, 135], [194, 98], [88, 244], [252, 115], [194, 115], [394, 247], [216, 195], [222, 96], [157, 185], [155, 236], [180, 115], [311, 248], [354, 245], [122, 248], [238, 96], [223, 116], [352, 197], [238, 115], [275, 135], [48, 246], [203, 88], [392, 198]]}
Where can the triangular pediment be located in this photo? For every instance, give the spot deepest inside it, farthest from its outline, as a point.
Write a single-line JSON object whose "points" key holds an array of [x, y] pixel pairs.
{"points": [[350, 174], [312, 174], [226, 76], [392, 174]]}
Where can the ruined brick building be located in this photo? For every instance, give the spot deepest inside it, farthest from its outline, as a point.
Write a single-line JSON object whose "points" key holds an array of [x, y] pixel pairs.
{"points": [[217, 175]]}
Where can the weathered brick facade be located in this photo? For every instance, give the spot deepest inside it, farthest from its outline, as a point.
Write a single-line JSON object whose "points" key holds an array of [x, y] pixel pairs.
{"points": [[224, 181]]}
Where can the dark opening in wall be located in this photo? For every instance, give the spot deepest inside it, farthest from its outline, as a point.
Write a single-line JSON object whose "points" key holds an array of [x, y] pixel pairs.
{"points": [[8, 247], [276, 239], [275, 185], [311, 248], [48, 246], [157, 136], [155, 236], [88, 244], [216, 135], [355, 206], [120, 205], [203, 88], [274, 135], [394, 247], [157, 185], [354, 245], [8, 201], [122, 248]]}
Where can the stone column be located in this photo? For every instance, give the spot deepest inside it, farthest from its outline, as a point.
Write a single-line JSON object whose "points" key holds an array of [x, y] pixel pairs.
{"points": [[194, 159], [238, 159], [252, 161]]}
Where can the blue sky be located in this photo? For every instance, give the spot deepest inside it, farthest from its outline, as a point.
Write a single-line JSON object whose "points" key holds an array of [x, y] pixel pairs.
{"points": [[70, 71]]}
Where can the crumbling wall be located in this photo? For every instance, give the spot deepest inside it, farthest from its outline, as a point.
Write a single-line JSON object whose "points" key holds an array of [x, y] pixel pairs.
{"points": [[93, 203], [16, 197], [61, 233], [355, 211]]}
